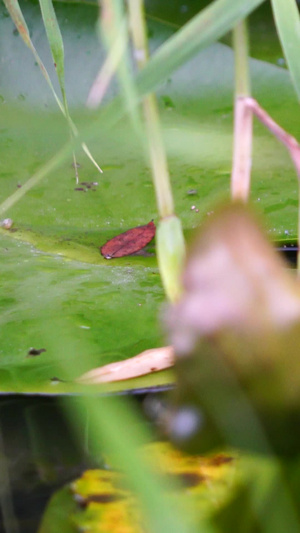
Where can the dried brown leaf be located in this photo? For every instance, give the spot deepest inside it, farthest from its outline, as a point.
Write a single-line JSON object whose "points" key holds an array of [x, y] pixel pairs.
{"points": [[144, 363], [129, 242]]}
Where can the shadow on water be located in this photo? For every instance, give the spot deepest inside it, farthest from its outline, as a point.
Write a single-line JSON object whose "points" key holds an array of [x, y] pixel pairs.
{"points": [[38, 454]]}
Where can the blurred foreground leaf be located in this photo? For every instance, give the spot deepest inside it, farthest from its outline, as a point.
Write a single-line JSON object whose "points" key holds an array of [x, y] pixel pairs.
{"points": [[104, 504], [236, 334]]}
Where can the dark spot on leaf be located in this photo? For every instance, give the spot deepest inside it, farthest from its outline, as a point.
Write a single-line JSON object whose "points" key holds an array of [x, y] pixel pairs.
{"points": [[129, 242], [105, 478], [168, 102], [33, 352], [86, 185], [188, 479], [100, 498], [219, 460], [55, 380], [192, 479]]}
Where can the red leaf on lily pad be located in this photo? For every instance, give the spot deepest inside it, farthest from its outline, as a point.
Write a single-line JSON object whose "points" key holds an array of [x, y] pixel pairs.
{"points": [[129, 242]]}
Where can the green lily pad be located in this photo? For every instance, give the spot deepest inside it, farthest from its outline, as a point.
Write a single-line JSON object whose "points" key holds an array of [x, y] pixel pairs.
{"points": [[52, 272], [76, 311]]}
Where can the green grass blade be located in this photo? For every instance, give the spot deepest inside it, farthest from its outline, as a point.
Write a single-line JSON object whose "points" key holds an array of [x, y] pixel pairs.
{"points": [[116, 428], [56, 45], [109, 422], [115, 54], [202, 30], [57, 50], [169, 237], [114, 23], [15, 12], [287, 20], [155, 146], [205, 28]]}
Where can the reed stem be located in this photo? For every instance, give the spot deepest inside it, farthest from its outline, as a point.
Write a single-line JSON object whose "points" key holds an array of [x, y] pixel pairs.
{"points": [[170, 244], [242, 144]]}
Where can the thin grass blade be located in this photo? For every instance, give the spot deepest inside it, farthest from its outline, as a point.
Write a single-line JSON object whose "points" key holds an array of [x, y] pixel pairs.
{"points": [[202, 30], [15, 12], [113, 24], [116, 428], [205, 28], [108, 69], [56, 45], [287, 20], [57, 50]]}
